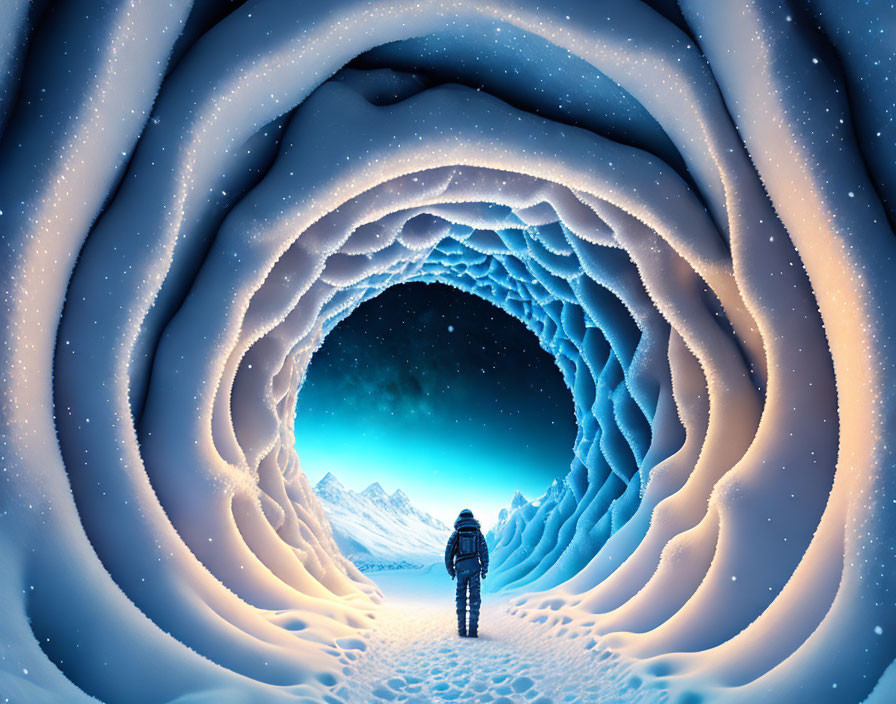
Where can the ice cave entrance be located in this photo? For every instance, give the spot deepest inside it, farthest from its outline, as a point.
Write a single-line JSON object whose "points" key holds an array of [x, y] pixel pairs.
{"points": [[423, 401]]}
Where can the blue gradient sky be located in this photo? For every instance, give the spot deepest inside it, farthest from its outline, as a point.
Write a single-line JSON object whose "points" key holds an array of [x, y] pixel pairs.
{"points": [[439, 393]]}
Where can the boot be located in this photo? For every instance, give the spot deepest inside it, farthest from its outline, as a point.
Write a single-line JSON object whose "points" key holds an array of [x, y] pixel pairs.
{"points": [[473, 630]]}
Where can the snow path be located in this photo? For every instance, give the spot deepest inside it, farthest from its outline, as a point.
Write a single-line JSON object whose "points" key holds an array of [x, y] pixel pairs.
{"points": [[414, 655]]}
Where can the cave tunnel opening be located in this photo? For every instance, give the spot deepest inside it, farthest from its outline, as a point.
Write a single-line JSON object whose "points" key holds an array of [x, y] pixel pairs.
{"points": [[440, 396]]}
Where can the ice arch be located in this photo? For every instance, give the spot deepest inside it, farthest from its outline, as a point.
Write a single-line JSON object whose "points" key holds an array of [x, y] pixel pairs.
{"points": [[721, 310]]}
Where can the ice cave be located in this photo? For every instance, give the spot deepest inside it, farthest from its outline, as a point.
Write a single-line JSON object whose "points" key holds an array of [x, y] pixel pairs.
{"points": [[691, 205]]}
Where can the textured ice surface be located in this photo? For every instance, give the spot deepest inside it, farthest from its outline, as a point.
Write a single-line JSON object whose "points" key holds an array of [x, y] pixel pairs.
{"points": [[690, 206]]}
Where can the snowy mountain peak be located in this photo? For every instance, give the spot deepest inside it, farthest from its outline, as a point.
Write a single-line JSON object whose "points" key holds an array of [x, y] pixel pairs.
{"points": [[329, 480], [555, 489], [375, 492], [518, 500], [330, 488]]}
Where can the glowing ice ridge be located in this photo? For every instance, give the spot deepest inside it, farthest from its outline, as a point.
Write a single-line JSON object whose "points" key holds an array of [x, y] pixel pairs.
{"points": [[681, 204]]}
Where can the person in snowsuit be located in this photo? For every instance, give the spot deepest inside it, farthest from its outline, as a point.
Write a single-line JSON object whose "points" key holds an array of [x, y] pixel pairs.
{"points": [[466, 557]]}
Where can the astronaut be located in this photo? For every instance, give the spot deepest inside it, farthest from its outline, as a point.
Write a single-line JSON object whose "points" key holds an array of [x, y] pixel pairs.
{"points": [[466, 557]]}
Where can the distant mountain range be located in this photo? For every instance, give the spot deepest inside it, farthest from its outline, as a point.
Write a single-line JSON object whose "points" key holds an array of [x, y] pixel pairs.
{"points": [[522, 521], [377, 531], [518, 501]]}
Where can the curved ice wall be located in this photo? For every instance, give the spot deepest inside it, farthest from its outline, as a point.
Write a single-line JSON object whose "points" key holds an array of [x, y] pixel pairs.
{"points": [[691, 207]]}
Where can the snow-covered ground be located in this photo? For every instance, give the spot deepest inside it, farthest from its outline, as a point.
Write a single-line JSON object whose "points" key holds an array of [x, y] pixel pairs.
{"points": [[413, 653]]}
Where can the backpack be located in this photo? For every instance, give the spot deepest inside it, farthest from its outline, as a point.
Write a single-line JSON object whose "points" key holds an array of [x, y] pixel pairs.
{"points": [[466, 545]]}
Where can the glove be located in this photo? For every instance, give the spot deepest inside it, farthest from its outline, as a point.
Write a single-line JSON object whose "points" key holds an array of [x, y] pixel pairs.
{"points": [[453, 574], [482, 572]]}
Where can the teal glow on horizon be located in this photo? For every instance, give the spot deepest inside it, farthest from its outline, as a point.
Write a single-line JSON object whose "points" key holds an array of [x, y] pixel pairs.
{"points": [[442, 473], [440, 394]]}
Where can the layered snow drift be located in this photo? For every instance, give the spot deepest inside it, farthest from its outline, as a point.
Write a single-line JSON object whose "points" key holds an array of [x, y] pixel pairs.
{"points": [[692, 209], [379, 531]]}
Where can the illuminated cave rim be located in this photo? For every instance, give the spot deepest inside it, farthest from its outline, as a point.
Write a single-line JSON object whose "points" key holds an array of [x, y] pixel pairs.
{"points": [[217, 510]]}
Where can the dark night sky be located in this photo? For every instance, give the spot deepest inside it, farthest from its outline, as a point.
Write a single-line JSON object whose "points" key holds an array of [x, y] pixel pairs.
{"points": [[437, 392]]}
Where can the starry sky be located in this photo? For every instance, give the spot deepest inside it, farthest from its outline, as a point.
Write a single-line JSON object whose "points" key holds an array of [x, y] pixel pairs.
{"points": [[437, 392]]}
